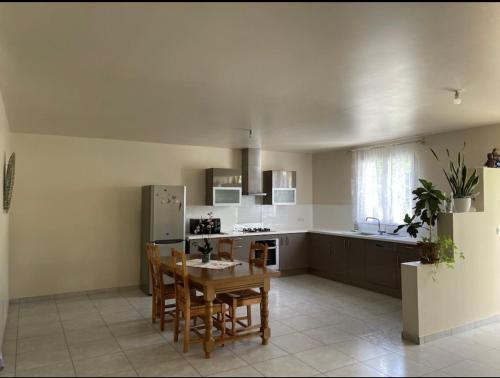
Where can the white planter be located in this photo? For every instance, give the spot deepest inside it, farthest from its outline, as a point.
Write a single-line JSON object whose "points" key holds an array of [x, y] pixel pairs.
{"points": [[462, 205]]}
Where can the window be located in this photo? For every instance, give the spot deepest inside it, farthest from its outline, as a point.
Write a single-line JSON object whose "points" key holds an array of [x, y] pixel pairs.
{"points": [[382, 183]]}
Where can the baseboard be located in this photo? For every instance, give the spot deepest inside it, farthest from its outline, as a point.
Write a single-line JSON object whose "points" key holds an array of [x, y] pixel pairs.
{"points": [[293, 272], [71, 294], [419, 340]]}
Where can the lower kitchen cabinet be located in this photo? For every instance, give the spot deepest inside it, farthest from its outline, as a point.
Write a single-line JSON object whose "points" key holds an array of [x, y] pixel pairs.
{"points": [[294, 252], [381, 265], [320, 254]]}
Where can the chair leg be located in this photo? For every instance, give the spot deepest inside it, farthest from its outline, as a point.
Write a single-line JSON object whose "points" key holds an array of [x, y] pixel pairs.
{"points": [[153, 305], [176, 324], [162, 315], [249, 316], [223, 323], [233, 319], [187, 326]]}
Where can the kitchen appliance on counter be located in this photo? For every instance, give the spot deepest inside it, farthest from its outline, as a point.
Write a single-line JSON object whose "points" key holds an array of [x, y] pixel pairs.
{"points": [[193, 224], [163, 223], [273, 257]]}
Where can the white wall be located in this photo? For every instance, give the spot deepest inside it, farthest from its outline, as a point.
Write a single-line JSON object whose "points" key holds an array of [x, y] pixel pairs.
{"points": [[76, 220], [4, 228]]}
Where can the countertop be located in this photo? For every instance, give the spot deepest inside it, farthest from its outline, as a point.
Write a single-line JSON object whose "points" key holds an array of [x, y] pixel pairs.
{"points": [[351, 234]]}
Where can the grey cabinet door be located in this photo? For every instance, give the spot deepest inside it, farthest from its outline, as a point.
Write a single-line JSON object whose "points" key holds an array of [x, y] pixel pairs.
{"points": [[406, 253], [294, 251], [242, 247], [339, 262], [382, 265], [356, 261], [320, 256]]}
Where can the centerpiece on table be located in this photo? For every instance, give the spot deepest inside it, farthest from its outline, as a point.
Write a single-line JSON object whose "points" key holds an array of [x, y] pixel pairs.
{"points": [[204, 228]]}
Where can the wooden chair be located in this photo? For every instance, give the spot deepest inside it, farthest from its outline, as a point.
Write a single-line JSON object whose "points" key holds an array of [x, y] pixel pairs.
{"points": [[226, 249], [192, 306], [245, 298], [161, 292]]}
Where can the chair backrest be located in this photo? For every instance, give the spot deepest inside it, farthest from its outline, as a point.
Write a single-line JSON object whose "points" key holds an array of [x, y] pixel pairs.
{"points": [[261, 260], [182, 292], [226, 249], [154, 262]]}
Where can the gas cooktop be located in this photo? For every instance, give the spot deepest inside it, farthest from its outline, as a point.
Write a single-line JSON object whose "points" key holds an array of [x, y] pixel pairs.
{"points": [[256, 229]]}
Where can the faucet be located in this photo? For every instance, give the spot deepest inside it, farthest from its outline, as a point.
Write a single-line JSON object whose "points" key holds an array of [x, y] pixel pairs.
{"points": [[378, 220]]}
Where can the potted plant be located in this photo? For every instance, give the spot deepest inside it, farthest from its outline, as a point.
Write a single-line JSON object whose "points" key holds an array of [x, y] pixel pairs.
{"points": [[462, 184], [434, 250], [204, 228]]}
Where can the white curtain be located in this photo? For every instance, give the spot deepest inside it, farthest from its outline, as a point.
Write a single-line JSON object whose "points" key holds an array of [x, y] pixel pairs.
{"points": [[383, 180]]}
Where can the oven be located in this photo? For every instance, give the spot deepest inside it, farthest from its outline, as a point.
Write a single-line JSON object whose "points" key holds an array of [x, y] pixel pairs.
{"points": [[273, 257]]}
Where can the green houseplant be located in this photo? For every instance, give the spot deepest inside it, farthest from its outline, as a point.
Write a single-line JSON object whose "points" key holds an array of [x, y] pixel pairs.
{"points": [[434, 250], [462, 183]]}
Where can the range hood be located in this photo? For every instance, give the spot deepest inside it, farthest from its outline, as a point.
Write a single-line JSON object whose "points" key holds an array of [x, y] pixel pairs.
{"points": [[252, 172]]}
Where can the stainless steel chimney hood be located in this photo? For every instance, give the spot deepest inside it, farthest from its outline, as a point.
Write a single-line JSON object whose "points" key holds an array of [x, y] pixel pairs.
{"points": [[252, 172]]}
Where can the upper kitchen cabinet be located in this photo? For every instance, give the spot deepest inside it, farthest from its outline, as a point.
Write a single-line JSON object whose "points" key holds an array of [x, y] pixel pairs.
{"points": [[223, 187], [280, 187]]}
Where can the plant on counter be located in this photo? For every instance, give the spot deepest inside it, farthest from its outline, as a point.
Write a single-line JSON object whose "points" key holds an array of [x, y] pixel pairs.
{"points": [[434, 250], [204, 228], [462, 184]]}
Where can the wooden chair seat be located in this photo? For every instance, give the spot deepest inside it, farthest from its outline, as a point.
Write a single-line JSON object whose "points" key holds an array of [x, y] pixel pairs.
{"points": [[240, 296]]}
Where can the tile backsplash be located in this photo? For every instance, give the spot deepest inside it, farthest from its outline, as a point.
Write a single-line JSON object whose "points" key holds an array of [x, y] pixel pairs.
{"points": [[253, 211]]}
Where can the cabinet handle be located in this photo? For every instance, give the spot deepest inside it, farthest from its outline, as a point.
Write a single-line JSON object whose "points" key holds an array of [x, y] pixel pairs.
{"points": [[379, 245], [287, 242], [238, 246]]}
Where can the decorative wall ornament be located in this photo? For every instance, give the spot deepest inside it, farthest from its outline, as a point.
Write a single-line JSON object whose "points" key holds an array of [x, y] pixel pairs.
{"points": [[493, 159], [8, 181]]}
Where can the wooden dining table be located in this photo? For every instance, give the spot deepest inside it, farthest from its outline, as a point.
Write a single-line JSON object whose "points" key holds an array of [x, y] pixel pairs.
{"points": [[217, 281]]}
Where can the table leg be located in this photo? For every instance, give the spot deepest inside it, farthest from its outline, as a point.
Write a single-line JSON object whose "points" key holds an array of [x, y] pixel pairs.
{"points": [[264, 315], [209, 344]]}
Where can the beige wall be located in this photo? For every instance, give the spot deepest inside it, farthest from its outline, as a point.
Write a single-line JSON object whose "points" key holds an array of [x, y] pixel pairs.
{"points": [[4, 228], [76, 220], [332, 171], [469, 293]]}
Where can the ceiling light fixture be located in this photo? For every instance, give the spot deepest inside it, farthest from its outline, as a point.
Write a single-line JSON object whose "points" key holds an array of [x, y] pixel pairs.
{"points": [[457, 100]]}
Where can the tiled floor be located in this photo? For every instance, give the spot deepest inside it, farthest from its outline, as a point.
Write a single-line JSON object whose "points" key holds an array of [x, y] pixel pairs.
{"points": [[319, 327]]}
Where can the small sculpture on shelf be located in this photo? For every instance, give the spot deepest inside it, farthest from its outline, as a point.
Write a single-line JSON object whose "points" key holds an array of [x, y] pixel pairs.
{"points": [[493, 159]]}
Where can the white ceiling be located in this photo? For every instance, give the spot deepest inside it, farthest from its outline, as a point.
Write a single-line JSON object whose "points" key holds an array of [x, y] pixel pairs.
{"points": [[305, 77]]}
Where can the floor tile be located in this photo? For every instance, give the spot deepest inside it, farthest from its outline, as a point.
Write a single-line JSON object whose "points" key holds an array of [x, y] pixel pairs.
{"points": [[471, 369], [131, 328], [287, 366], [398, 366], [40, 343], [143, 357], [42, 329], [295, 342], [88, 334], [140, 340], [40, 358], [252, 351], [355, 370], [304, 322], [174, 368], [58, 369], [95, 348], [84, 321], [325, 358], [329, 335], [246, 371], [222, 360], [360, 349], [103, 365]]}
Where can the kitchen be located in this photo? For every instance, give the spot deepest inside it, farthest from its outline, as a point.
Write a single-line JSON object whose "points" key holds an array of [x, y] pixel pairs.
{"points": [[299, 128]]}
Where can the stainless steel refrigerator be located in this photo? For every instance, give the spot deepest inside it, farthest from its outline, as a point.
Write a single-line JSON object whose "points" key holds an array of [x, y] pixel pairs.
{"points": [[163, 213]]}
